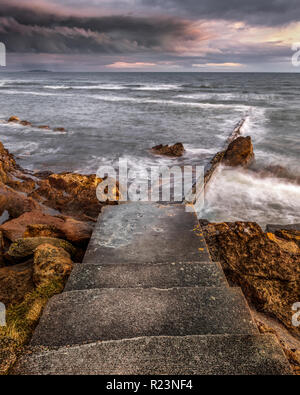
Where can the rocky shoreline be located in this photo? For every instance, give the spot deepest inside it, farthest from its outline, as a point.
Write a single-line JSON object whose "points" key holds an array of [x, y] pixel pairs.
{"points": [[46, 221]]}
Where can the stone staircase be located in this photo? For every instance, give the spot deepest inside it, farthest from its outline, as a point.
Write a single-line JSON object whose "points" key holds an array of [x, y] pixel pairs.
{"points": [[148, 300]]}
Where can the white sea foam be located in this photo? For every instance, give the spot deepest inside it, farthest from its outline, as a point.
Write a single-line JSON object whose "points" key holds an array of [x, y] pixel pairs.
{"points": [[108, 98], [236, 194]]}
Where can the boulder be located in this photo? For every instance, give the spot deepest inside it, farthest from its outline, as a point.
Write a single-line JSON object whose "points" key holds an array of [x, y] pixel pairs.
{"points": [[51, 263], [36, 223], [265, 267], [169, 150], [41, 230], [16, 203], [13, 119], [2, 246], [16, 228], [26, 186], [239, 152], [7, 165], [289, 235], [77, 232], [24, 248], [46, 127], [15, 283], [71, 194], [25, 123]]}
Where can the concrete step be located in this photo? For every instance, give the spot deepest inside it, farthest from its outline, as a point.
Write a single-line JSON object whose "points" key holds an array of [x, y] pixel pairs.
{"points": [[167, 275], [111, 314], [146, 233], [190, 355]]}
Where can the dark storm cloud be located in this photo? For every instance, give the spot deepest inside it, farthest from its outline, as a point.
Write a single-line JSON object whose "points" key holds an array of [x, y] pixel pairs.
{"points": [[25, 29], [257, 12]]}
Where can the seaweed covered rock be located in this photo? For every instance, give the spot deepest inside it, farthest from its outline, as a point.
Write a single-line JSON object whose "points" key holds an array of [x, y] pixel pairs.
{"points": [[24, 248], [15, 283], [51, 263], [169, 150], [239, 152], [266, 267]]}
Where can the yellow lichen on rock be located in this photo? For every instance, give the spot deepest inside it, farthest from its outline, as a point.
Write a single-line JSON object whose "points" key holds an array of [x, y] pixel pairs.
{"points": [[51, 263]]}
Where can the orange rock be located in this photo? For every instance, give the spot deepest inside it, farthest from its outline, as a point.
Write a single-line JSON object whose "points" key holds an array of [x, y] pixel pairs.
{"points": [[267, 271], [15, 283], [51, 263], [37, 223], [239, 152], [13, 119], [71, 194], [169, 150]]}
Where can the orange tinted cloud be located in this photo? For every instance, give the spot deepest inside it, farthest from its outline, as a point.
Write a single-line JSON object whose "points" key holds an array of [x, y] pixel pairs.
{"points": [[126, 65]]}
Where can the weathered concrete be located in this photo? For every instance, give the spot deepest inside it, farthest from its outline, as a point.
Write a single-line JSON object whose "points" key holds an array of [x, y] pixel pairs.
{"points": [[142, 302], [146, 233], [203, 355], [166, 275], [112, 314]]}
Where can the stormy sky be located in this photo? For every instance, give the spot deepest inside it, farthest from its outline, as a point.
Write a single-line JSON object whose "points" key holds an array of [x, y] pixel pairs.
{"points": [[150, 35]]}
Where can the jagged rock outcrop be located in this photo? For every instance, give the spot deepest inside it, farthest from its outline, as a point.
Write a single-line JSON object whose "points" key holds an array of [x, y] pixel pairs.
{"points": [[51, 263], [169, 150], [239, 152], [266, 267], [71, 194]]}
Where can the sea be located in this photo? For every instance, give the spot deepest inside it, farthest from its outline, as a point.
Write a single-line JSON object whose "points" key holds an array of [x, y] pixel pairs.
{"points": [[113, 116]]}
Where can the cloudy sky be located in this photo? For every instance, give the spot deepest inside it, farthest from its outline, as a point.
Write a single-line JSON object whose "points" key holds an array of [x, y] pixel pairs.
{"points": [[150, 35]]}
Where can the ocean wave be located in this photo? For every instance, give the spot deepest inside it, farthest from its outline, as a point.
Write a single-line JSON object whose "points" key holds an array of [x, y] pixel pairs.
{"points": [[135, 87], [237, 107], [236, 194], [221, 96]]}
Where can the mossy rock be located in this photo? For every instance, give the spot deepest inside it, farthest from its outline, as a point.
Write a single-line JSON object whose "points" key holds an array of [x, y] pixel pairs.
{"points": [[23, 248], [22, 319]]}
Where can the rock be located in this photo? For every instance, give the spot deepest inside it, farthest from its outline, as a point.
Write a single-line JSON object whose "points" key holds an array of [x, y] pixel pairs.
{"points": [[266, 268], [59, 130], [25, 186], [16, 228], [36, 223], [289, 235], [46, 127], [13, 119], [43, 231], [43, 174], [239, 152], [2, 263], [7, 165], [71, 194], [274, 228], [16, 203], [172, 150], [24, 248], [15, 283], [25, 123], [51, 263], [77, 232], [286, 245]]}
